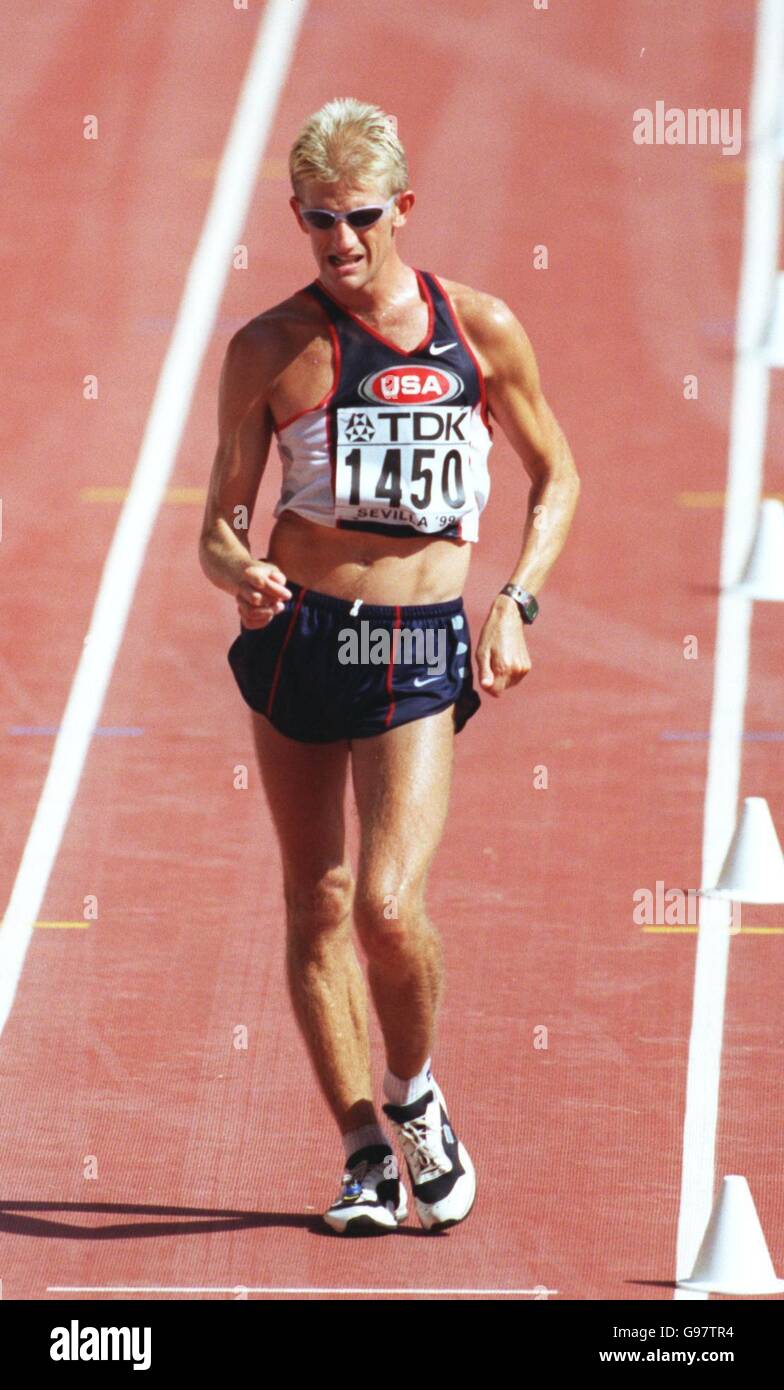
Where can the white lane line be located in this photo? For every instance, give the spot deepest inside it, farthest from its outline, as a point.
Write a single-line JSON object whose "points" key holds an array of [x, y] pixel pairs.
{"points": [[540, 1292], [204, 283], [748, 426]]}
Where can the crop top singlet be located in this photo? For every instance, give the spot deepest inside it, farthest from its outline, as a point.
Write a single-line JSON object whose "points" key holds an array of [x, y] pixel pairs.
{"points": [[399, 444]]}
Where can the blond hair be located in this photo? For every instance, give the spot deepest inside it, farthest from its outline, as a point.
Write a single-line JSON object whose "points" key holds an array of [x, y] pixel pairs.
{"points": [[348, 139]]}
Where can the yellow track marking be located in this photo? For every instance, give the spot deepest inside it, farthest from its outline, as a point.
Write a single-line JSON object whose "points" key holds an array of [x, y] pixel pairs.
{"points": [[187, 495], [63, 924]]}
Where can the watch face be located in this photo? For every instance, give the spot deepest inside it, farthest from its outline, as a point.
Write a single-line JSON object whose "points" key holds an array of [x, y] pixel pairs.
{"points": [[528, 606]]}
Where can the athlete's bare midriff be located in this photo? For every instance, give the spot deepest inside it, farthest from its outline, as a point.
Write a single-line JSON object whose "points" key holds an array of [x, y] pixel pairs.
{"points": [[378, 569], [409, 569]]}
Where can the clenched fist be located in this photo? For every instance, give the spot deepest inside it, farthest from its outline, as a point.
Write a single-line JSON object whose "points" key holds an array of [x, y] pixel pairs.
{"points": [[261, 594]]}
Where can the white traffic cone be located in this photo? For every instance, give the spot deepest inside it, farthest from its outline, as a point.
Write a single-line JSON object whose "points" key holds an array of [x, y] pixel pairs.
{"points": [[763, 574], [734, 1256], [753, 869]]}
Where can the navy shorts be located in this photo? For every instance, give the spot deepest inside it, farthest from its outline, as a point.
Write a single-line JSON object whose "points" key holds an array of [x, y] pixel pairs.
{"points": [[329, 668]]}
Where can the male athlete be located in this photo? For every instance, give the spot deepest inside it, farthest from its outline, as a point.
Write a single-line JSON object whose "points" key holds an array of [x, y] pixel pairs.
{"points": [[379, 383]]}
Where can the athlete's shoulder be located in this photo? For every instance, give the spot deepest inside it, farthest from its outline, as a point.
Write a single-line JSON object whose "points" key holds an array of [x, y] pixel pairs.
{"points": [[480, 312], [493, 329], [297, 317], [267, 343]]}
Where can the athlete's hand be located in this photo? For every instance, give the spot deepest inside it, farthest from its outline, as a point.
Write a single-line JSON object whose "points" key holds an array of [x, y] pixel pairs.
{"points": [[502, 656], [261, 594]]}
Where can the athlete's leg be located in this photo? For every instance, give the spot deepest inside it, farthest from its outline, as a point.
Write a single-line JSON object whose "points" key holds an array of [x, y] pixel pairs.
{"points": [[305, 787], [401, 782]]}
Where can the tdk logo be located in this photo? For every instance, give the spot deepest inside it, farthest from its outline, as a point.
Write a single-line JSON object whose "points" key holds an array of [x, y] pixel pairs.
{"points": [[102, 1344]]}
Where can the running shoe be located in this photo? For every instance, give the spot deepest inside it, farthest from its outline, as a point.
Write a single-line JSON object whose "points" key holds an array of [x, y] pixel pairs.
{"points": [[372, 1198], [442, 1175]]}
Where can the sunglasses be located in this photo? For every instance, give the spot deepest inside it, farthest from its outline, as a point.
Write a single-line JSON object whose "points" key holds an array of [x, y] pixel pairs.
{"points": [[359, 218]]}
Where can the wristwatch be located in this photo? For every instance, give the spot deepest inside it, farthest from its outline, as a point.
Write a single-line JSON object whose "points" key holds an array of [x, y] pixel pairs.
{"points": [[525, 602]]}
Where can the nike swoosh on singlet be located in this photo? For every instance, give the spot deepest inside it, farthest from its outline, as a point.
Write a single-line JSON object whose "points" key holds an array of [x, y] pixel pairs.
{"points": [[436, 350], [417, 681]]}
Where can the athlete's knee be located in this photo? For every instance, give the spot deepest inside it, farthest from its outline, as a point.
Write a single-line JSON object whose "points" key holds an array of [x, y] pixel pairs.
{"points": [[321, 904], [389, 919]]}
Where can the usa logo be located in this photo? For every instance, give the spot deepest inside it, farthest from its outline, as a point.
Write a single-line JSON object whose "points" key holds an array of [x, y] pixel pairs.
{"points": [[410, 385]]}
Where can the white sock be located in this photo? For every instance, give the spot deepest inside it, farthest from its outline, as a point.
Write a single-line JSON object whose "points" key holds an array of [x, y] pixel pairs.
{"points": [[404, 1092], [363, 1139]]}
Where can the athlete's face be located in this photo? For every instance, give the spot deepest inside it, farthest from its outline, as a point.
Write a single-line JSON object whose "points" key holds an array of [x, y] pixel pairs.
{"points": [[350, 257]]}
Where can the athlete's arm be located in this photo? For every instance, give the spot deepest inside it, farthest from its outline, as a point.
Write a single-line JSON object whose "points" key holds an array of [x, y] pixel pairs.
{"points": [[245, 429], [516, 401]]}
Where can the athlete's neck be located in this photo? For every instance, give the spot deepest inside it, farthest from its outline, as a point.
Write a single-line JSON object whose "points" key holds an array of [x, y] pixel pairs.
{"points": [[393, 287]]}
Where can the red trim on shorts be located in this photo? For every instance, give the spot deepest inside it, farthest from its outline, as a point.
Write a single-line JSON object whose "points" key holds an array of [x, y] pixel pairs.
{"points": [[279, 662], [471, 354], [390, 670], [325, 400], [401, 352]]}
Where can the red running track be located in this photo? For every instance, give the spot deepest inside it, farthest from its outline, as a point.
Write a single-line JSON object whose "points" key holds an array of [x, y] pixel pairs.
{"points": [[213, 1163]]}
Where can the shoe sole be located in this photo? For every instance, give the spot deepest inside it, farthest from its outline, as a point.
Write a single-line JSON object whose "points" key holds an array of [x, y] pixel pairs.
{"points": [[366, 1225], [361, 1226]]}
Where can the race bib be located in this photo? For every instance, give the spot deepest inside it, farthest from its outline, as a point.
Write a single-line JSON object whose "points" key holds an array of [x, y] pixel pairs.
{"points": [[407, 466]]}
